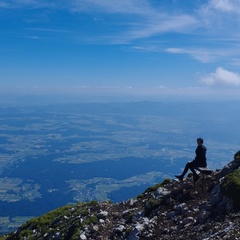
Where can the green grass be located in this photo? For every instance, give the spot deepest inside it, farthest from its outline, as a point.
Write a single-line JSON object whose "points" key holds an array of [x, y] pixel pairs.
{"points": [[57, 219]]}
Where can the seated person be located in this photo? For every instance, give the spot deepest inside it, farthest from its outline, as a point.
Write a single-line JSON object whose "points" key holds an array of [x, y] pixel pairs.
{"points": [[199, 161]]}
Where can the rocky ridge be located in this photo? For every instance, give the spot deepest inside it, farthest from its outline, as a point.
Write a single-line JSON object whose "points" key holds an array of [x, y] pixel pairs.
{"points": [[169, 210]]}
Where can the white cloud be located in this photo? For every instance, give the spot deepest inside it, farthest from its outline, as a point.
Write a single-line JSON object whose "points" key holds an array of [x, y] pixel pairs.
{"points": [[207, 55], [202, 55], [220, 16], [216, 9], [222, 77], [163, 23], [175, 50], [230, 6]]}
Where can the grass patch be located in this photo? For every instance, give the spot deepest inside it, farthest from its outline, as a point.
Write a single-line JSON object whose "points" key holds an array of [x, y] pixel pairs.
{"points": [[155, 187], [230, 187]]}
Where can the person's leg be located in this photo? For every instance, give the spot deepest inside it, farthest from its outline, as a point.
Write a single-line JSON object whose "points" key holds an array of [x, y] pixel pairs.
{"points": [[190, 165], [187, 166], [192, 168]]}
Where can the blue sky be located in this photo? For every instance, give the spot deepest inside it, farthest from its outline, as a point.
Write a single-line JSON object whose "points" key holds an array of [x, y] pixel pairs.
{"points": [[121, 47]]}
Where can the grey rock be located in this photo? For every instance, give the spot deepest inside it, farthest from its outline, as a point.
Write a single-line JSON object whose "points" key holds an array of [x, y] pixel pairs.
{"points": [[181, 208], [102, 214], [161, 192], [83, 236]]}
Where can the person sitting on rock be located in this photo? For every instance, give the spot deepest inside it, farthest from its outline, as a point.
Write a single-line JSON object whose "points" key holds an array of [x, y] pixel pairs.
{"points": [[199, 161]]}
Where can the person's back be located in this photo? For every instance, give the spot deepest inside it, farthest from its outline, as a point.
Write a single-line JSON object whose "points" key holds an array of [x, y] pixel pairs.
{"points": [[200, 158]]}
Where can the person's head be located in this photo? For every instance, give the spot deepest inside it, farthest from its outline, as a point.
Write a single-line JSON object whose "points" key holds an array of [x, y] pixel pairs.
{"points": [[199, 141]]}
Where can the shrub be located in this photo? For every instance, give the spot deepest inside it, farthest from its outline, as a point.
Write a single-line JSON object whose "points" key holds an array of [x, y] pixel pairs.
{"points": [[230, 187], [92, 203], [237, 155], [91, 220]]}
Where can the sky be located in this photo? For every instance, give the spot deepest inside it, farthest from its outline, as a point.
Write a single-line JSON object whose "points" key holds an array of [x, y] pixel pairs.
{"points": [[141, 48]]}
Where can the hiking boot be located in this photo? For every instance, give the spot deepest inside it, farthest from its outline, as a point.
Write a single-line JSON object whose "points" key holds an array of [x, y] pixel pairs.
{"points": [[195, 178], [179, 177]]}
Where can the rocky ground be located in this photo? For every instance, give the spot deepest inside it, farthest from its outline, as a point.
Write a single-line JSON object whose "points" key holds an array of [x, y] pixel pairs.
{"points": [[170, 210]]}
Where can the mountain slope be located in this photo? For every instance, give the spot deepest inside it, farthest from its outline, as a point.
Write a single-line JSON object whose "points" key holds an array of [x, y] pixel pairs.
{"points": [[170, 210]]}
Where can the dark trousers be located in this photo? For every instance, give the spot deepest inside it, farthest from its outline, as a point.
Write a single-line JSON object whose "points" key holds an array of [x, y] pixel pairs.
{"points": [[192, 166]]}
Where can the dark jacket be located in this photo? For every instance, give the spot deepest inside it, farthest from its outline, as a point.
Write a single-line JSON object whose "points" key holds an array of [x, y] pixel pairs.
{"points": [[200, 158]]}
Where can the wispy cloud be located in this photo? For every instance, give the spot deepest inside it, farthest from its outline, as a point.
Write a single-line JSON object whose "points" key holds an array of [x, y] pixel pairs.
{"points": [[3, 5], [13, 4], [207, 24], [18, 3], [51, 30], [216, 36], [144, 18], [222, 77], [158, 25], [225, 6], [129, 21], [220, 17], [133, 19], [198, 54], [161, 19], [113, 6], [206, 55]]}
